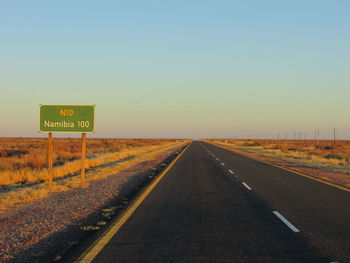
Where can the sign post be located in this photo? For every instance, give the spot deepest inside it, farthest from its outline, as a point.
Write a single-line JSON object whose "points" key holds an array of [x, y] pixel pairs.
{"points": [[67, 119], [83, 157], [50, 159]]}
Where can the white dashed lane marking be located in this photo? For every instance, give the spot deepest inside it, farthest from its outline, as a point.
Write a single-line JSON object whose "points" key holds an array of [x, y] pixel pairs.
{"points": [[247, 186], [284, 220]]}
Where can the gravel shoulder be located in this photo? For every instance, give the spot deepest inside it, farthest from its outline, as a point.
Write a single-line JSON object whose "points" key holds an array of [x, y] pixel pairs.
{"points": [[43, 230]]}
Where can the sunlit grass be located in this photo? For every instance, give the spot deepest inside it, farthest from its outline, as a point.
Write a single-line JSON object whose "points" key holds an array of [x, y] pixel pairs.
{"points": [[326, 155], [25, 160], [140, 155]]}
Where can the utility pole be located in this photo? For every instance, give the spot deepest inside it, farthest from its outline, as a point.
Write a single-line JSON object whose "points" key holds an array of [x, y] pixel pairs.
{"points": [[318, 137], [334, 136], [315, 136]]}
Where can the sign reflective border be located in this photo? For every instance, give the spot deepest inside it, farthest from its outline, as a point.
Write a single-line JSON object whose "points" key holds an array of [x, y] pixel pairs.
{"points": [[67, 118]]}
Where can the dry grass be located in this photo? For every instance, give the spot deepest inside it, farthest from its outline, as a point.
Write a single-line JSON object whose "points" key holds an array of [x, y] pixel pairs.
{"points": [[24, 160], [325, 155], [141, 154]]}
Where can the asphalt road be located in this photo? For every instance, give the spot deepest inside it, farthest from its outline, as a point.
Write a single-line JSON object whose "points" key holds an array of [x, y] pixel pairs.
{"points": [[217, 206]]}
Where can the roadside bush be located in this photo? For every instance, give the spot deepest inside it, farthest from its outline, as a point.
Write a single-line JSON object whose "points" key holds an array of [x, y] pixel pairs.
{"points": [[12, 153], [251, 144], [327, 147], [338, 156], [293, 149]]}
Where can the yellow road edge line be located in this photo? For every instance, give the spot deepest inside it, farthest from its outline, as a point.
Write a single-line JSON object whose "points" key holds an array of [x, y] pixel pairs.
{"points": [[282, 167], [89, 255]]}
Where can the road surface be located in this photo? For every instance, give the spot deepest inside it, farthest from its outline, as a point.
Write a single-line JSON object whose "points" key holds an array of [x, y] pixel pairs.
{"points": [[217, 206]]}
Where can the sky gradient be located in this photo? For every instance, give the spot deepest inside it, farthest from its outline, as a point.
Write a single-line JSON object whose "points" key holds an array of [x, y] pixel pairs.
{"points": [[178, 68]]}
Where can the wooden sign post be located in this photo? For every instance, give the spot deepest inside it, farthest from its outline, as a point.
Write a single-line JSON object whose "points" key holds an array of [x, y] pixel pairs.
{"points": [[67, 118], [83, 157], [50, 171]]}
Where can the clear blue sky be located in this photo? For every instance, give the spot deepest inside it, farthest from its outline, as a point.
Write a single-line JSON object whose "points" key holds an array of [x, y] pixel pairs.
{"points": [[178, 68]]}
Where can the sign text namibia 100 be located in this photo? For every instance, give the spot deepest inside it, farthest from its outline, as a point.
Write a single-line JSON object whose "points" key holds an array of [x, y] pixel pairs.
{"points": [[67, 118]]}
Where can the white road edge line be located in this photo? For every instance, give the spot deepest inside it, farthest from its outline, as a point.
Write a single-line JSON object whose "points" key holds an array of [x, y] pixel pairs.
{"points": [[289, 224], [247, 186], [222, 164], [231, 172]]}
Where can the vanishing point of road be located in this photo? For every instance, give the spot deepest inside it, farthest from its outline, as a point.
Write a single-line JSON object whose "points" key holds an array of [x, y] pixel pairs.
{"points": [[214, 205]]}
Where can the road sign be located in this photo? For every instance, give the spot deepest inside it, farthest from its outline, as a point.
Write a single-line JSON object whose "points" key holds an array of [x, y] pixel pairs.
{"points": [[67, 118]]}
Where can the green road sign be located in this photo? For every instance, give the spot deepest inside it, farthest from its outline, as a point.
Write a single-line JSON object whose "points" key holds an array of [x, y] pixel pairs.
{"points": [[67, 118]]}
